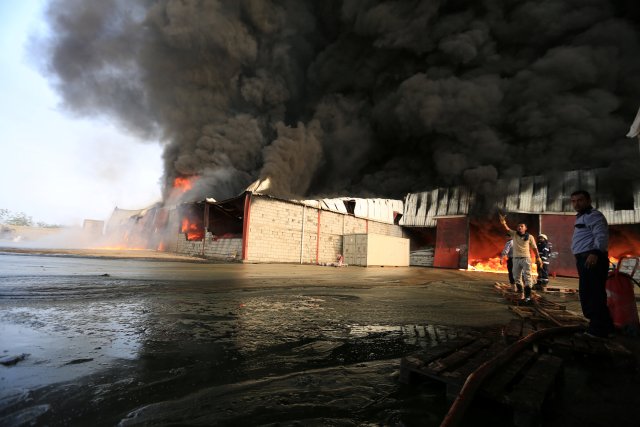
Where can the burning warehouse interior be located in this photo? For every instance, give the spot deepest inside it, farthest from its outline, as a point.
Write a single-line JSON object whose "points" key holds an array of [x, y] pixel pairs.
{"points": [[255, 227]]}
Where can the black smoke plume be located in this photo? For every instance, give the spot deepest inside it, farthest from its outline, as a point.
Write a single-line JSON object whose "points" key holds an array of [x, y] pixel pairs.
{"points": [[359, 97]]}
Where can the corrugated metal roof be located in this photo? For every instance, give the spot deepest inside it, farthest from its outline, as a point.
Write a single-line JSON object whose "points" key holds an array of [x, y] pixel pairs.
{"points": [[381, 210], [535, 195], [120, 217]]}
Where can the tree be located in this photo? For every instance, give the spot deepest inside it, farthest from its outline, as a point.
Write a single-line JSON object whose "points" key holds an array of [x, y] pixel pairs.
{"points": [[19, 218], [9, 217]]}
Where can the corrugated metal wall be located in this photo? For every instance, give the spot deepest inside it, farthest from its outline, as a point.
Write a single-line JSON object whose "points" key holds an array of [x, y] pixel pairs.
{"points": [[534, 195]]}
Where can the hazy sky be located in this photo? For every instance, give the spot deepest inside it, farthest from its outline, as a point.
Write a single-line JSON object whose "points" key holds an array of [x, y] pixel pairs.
{"points": [[55, 167]]}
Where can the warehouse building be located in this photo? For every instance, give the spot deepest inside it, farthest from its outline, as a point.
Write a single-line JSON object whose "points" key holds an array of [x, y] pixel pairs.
{"points": [[446, 231], [443, 227], [254, 227]]}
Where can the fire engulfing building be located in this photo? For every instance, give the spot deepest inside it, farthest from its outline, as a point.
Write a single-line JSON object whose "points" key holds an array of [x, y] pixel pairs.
{"points": [[254, 227], [446, 231], [443, 227]]}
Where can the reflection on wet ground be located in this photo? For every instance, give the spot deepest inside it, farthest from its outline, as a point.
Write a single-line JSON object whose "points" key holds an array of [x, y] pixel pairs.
{"points": [[144, 342]]}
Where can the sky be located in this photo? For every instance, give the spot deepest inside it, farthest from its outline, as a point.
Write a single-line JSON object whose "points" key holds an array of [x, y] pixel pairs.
{"points": [[54, 167]]}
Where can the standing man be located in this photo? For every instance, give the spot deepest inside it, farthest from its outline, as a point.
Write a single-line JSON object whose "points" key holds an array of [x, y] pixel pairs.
{"points": [[523, 243], [507, 253], [590, 245], [544, 249]]}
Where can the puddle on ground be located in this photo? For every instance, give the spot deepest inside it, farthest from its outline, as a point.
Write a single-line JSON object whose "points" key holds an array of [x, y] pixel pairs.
{"points": [[147, 351]]}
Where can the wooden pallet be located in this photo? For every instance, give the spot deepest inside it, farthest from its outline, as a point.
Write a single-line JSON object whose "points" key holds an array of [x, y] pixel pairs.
{"points": [[540, 308], [525, 384], [522, 385], [446, 366], [559, 317]]}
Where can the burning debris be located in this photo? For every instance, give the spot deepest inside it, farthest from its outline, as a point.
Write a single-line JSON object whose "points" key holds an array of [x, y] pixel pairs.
{"points": [[191, 224], [364, 98]]}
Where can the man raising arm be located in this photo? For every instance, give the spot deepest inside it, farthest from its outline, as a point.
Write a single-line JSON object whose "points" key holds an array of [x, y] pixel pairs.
{"points": [[523, 244]]}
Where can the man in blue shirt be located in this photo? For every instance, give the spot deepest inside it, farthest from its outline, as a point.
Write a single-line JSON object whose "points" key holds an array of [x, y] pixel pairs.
{"points": [[590, 247]]}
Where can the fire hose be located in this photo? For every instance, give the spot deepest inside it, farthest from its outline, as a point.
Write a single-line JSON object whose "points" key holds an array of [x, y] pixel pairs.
{"points": [[473, 382]]}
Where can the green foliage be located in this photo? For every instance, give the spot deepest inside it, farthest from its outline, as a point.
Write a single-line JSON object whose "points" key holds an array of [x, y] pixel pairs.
{"points": [[19, 218], [9, 217]]}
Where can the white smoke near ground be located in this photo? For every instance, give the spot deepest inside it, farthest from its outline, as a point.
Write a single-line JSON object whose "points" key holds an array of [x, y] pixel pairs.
{"points": [[12, 236], [370, 98]]}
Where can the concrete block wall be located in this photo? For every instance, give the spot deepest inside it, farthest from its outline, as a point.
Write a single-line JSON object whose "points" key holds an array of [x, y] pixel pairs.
{"points": [[188, 247], [310, 236], [353, 225], [281, 231], [228, 249], [385, 229], [274, 231], [331, 226]]}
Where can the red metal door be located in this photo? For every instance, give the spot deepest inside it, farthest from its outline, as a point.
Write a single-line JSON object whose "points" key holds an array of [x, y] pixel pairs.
{"points": [[559, 230], [452, 242]]}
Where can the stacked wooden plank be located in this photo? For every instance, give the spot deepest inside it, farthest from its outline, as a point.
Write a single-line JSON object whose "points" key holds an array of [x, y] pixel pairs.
{"points": [[523, 385], [529, 378]]}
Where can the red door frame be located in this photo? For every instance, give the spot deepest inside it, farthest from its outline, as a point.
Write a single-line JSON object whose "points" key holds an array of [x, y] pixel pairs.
{"points": [[452, 242]]}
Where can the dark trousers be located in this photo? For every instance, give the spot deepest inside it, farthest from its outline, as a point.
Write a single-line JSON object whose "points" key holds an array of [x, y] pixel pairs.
{"points": [[593, 294], [510, 270], [543, 275]]}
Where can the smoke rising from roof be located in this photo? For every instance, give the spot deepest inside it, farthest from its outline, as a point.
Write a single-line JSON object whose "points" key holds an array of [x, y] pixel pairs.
{"points": [[357, 96]]}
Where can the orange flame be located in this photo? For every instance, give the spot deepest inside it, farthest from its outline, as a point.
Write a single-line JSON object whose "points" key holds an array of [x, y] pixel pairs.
{"points": [[492, 265], [489, 265], [191, 229], [183, 184]]}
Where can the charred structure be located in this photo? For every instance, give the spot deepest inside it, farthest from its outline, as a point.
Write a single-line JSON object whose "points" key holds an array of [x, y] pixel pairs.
{"points": [[357, 97]]}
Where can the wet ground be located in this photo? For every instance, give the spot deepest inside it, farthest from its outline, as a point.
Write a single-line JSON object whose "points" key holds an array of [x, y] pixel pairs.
{"points": [[169, 342]]}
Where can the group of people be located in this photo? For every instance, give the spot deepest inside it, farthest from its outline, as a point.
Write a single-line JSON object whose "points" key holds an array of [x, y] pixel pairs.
{"points": [[589, 246], [544, 252], [517, 251]]}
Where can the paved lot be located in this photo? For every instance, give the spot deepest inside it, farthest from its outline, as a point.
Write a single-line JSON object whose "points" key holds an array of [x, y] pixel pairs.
{"points": [[145, 340]]}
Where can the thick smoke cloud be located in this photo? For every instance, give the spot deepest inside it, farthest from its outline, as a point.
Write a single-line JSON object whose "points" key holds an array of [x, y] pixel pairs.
{"points": [[358, 97]]}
